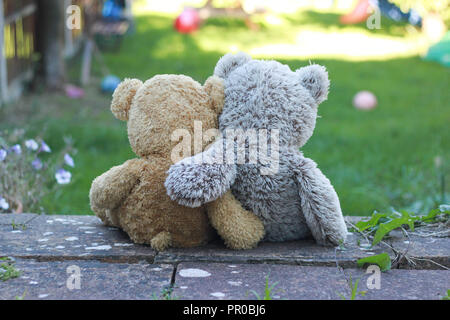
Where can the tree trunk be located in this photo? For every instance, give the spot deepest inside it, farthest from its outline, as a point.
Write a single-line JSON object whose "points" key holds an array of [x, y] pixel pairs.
{"points": [[50, 41]]}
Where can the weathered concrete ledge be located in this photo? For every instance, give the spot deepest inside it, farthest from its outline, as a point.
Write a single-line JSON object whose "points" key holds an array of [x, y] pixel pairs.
{"points": [[59, 238], [112, 267]]}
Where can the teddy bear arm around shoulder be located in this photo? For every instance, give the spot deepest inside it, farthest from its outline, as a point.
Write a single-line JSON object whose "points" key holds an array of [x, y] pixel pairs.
{"points": [[201, 178], [204, 179]]}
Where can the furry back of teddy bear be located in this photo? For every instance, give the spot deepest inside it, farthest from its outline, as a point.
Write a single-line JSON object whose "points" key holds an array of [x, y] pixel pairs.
{"points": [[286, 190]]}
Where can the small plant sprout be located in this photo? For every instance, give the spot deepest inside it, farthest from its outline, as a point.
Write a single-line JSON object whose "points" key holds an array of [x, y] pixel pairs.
{"points": [[22, 297], [353, 289], [267, 291], [16, 226], [7, 270], [166, 294]]}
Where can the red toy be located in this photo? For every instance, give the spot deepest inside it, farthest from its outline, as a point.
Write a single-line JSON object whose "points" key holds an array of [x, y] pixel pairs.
{"points": [[359, 14], [188, 21]]}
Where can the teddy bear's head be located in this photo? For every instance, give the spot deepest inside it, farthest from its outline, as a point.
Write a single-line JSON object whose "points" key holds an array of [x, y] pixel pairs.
{"points": [[155, 109], [263, 94]]}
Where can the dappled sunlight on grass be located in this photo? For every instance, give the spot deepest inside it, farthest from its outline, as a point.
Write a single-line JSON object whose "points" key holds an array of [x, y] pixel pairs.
{"points": [[145, 7], [141, 7], [302, 34], [345, 45], [311, 34]]}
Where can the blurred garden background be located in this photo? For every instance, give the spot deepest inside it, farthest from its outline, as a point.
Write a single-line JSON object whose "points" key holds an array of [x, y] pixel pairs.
{"points": [[395, 155]]}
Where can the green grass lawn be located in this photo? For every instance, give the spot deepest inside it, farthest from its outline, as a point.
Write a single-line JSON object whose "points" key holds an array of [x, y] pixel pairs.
{"points": [[376, 160]]}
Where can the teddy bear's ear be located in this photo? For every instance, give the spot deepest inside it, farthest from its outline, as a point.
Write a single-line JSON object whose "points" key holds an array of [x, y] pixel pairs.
{"points": [[315, 79], [215, 88], [123, 96], [229, 62]]}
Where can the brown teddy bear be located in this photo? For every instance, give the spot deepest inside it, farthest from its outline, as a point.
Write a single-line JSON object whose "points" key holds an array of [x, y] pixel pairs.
{"points": [[132, 196]]}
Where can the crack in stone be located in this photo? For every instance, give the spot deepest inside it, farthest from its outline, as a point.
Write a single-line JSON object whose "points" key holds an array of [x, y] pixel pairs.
{"points": [[106, 259], [23, 223]]}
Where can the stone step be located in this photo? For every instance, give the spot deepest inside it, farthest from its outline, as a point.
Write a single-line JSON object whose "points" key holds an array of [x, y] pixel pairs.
{"points": [[43, 247], [59, 238], [247, 281], [57, 280], [204, 281]]}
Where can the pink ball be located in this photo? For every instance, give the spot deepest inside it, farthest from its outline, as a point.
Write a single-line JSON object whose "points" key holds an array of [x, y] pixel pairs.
{"points": [[74, 92], [364, 100]]}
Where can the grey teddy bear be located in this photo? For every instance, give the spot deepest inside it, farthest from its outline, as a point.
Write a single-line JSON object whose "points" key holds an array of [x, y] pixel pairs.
{"points": [[269, 113]]}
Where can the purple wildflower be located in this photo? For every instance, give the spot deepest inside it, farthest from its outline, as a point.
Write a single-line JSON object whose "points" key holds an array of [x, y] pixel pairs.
{"points": [[3, 154], [31, 144], [3, 204], [45, 147], [37, 164], [16, 149], [62, 176], [69, 160]]}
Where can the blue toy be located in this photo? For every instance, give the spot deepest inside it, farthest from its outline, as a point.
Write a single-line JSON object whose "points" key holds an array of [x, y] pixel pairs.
{"points": [[110, 83], [112, 10]]}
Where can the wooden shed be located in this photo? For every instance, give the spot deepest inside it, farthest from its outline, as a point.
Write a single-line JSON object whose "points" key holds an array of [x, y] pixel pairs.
{"points": [[18, 42], [23, 36], [19, 20]]}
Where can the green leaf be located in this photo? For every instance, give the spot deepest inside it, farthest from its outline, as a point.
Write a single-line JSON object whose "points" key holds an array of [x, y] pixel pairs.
{"points": [[431, 215], [385, 228], [409, 219], [443, 209], [382, 260], [447, 297], [372, 222]]}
